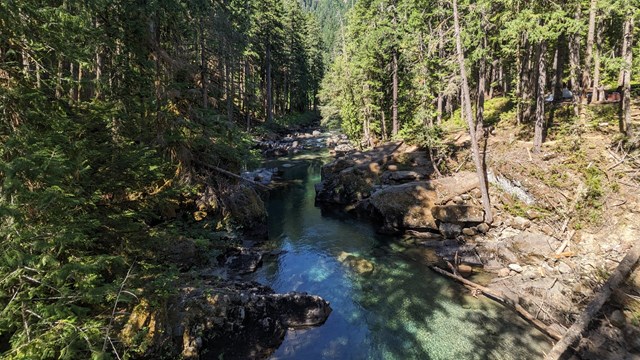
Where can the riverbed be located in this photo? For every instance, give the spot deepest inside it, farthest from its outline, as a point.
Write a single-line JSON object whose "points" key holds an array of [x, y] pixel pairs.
{"points": [[401, 310]]}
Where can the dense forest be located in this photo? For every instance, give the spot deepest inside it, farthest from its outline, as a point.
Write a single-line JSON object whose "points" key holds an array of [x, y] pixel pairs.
{"points": [[119, 120], [113, 113], [398, 73]]}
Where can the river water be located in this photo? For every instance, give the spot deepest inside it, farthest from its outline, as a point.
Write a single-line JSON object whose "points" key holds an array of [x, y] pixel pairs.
{"points": [[402, 310]]}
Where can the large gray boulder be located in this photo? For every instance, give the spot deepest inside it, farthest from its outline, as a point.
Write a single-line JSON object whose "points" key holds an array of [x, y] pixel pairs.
{"points": [[406, 206]]}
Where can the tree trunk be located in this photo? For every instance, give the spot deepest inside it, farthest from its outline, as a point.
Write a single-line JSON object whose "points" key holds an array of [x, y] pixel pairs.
{"points": [[595, 94], [269, 95], [203, 67], [575, 331], [493, 78], [440, 108], [574, 59], [383, 124], [440, 94], [72, 80], [588, 57], [59, 87], [628, 62], [482, 69], [558, 67], [79, 88], [542, 82], [486, 202], [246, 105], [394, 114]]}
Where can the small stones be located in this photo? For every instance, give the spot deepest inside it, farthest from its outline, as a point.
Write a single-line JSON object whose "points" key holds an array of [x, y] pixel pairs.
{"points": [[520, 223], [530, 274], [450, 231], [465, 197], [483, 228], [458, 200], [563, 268], [618, 319], [392, 167], [504, 272], [547, 230], [515, 267], [465, 270], [469, 231]]}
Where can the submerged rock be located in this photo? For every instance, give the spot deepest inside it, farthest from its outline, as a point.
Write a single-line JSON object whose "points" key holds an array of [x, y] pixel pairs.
{"points": [[356, 263]]}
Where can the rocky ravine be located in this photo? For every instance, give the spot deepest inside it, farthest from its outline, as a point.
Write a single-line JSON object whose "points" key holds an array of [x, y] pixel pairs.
{"points": [[397, 187], [214, 313]]}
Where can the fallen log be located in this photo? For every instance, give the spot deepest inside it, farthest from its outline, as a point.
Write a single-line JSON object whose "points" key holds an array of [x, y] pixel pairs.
{"points": [[576, 330], [565, 243], [228, 173], [497, 296]]}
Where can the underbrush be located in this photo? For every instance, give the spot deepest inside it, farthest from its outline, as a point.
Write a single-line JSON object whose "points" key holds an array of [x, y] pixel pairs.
{"points": [[496, 110], [283, 124]]}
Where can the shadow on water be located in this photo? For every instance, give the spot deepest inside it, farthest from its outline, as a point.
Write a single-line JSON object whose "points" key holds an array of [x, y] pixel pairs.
{"points": [[401, 310]]}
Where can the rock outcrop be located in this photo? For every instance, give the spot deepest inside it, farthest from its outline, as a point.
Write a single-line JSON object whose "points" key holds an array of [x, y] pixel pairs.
{"points": [[396, 190], [230, 320]]}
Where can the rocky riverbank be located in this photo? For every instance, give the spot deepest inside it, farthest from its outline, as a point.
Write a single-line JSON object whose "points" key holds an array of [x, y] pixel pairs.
{"points": [[539, 252], [216, 313]]}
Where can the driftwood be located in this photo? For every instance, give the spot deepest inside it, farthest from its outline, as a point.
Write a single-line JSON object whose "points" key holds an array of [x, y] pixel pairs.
{"points": [[499, 297], [565, 243], [576, 330], [228, 173]]}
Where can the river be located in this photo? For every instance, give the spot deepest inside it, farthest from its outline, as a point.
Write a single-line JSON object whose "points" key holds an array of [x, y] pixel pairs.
{"points": [[402, 310]]}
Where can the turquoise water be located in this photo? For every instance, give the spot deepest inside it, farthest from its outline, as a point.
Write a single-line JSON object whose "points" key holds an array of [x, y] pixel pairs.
{"points": [[402, 310]]}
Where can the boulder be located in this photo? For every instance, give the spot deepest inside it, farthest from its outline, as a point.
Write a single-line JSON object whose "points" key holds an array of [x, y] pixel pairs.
{"points": [[358, 264], [520, 223], [234, 320], [483, 228], [450, 231], [246, 212], [404, 206], [465, 270], [241, 260], [530, 246], [300, 310], [515, 267], [504, 272], [400, 177], [618, 319], [452, 251], [469, 231], [458, 214], [347, 187]]}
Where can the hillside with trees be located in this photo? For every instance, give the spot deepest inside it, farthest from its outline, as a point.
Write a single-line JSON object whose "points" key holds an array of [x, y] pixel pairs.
{"points": [[397, 73], [125, 126], [117, 118]]}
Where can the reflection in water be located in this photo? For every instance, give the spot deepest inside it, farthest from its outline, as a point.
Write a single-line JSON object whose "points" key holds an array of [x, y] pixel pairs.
{"points": [[401, 310]]}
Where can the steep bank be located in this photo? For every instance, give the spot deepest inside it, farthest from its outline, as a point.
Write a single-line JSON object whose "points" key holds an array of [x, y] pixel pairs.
{"points": [[580, 188]]}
